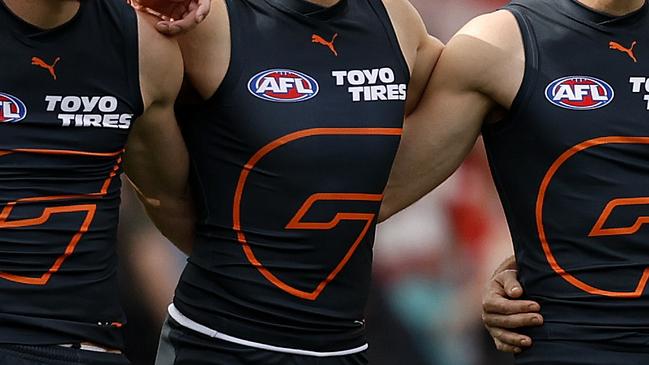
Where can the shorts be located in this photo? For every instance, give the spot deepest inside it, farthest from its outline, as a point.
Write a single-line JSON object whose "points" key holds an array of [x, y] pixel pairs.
{"points": [[56, 355], [182, 346]]}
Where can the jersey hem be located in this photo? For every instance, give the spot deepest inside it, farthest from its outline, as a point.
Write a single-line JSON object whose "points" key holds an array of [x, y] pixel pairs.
{"points": [[190, 324]]}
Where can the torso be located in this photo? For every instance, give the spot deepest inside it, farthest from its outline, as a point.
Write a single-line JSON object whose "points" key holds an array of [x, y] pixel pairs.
{"points": [[570, 164], [291, 156], [69, 97]]}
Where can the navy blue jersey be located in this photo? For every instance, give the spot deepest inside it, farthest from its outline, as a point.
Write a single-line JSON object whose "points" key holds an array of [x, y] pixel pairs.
{"points": [[291, 156], [571, 165], [68, 98]]}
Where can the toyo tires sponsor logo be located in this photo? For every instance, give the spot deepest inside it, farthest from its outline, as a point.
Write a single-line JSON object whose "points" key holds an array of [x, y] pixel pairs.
{"points": [[12, 109], [88, 111], [579, 93], [283, 86]]}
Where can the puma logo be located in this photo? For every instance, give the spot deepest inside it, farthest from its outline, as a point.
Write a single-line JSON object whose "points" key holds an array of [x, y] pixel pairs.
{"points": [[629, 51], [318, 39], [42, 64]]}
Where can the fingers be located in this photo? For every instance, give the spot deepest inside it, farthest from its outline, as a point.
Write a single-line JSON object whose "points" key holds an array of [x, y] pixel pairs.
{"points": [[512, 320], [175, 27], [499, 325], [506, 274], [167, 27], [203, 9], [504, 347], [497, 304], [509, 281], [496, 298], [195, 14], [502, 311], [509, 338]]}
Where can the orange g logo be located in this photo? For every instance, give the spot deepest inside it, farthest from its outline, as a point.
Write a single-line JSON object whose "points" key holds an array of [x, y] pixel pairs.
{"points": [[603, 225], [299, 220]]}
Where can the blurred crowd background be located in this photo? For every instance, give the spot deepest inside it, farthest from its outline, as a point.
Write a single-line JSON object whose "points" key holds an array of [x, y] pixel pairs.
{"points": [[431, 260]]}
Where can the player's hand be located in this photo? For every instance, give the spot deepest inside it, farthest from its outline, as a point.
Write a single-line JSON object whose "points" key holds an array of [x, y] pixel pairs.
{"points": [[176, 16], [184, 18], [502, 312]]}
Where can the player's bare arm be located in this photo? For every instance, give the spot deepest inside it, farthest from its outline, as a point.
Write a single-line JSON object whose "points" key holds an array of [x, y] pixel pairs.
{"points": [[420, 50], [465, 91], [157, 163], [475, 82], [175, 16]]}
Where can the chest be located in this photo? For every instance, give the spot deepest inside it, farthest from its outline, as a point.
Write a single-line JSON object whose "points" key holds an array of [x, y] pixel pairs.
{"points": [[589, 87], [55, 95]]}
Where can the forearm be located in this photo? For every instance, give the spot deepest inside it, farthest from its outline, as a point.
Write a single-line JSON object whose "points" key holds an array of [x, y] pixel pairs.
{"points": [[157, 161], [433, 146], [422, 165], [439, 133]]}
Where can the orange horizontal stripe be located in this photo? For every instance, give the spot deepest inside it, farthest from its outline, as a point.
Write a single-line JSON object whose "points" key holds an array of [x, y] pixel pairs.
{"points": [[60, 152]]}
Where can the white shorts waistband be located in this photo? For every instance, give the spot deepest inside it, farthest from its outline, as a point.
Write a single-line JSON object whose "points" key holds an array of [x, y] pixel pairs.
{"points": [[197, 327]]}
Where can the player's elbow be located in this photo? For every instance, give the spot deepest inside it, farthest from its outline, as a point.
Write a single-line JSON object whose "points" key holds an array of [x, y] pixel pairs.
{"points": [[175, 218], [182, 238]]}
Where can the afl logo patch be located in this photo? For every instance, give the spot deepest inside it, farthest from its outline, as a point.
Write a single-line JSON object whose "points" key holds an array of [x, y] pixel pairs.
{"points": [[12, 109], [283, 86], [579, 93]]}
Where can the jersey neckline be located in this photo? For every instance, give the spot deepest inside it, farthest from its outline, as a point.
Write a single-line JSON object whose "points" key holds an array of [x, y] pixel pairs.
{"points": [[29, 29], [309, 9], [587, 13]]}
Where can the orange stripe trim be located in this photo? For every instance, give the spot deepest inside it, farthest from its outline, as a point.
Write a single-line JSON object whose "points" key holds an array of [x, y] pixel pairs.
{"points": [[61, 152]]}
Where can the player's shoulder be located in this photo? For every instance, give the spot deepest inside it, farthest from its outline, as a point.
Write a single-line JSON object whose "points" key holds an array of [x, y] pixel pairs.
{"points": [[486, 41], [488, 49], [497, 28]]}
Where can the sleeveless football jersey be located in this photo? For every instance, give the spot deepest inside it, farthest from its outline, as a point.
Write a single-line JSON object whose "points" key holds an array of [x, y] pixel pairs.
{"points": [[68, 97], [291, 156], [571, 165]]}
